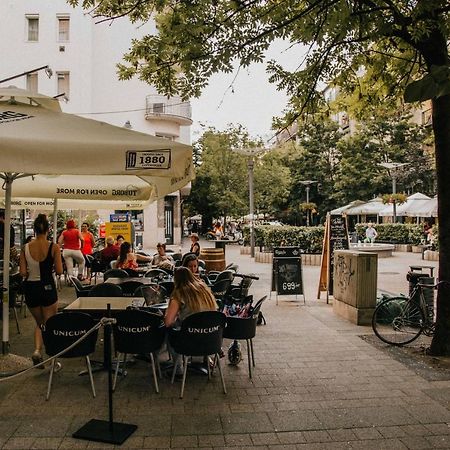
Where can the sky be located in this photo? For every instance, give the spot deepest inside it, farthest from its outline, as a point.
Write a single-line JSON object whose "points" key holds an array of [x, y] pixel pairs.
{"points": [[252, 102]]}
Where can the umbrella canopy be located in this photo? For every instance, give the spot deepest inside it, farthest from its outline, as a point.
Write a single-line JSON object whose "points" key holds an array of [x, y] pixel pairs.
{"points": [[372, 207], [413, 203], [343, 209], [37, 138]]}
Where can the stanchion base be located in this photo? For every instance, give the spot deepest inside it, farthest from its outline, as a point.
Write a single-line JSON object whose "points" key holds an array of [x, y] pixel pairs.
{"points": [[104, 431]]}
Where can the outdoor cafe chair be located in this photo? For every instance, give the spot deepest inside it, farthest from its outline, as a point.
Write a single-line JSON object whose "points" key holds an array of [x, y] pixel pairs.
{"points": [[129, 287], [156, 273], [81, 290], [152, 293], [97, 267], [200, 335], [167, 286], [240, 328], [132, 273], [62, 330], [106, 290], [115, 273], [214, 276], [138, 332], [220, 289]]}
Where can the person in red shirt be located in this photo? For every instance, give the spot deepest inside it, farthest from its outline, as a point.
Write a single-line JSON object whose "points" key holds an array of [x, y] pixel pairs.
{"points": [[110, 252], [88, 247], [72, 241]]}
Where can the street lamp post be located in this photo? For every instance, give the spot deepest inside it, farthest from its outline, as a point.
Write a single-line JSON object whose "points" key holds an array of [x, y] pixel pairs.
{"points": [[307, 184], [47, 69], [393, 167], [251, 152]]}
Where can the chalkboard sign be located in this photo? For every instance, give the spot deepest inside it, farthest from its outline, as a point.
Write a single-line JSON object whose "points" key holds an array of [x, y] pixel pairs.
{"points": [[338, 237], [287, 271]]}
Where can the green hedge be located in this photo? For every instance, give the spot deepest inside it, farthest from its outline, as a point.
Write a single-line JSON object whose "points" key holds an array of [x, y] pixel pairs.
{"points": [[397, 233], [309, 239]]}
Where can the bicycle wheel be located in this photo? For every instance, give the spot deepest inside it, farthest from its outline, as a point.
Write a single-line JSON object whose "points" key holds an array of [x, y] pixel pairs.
{"points": [[398, 321]]}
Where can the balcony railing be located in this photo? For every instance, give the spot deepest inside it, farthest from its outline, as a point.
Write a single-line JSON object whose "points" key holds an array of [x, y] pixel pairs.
{"points": [[174, 109]]}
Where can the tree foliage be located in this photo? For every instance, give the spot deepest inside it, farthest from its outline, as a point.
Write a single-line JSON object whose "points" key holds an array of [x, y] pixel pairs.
{"points": [[200, 37]]}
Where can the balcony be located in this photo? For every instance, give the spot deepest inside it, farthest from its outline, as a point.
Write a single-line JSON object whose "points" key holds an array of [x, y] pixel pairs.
{"points": [[159, 107]]}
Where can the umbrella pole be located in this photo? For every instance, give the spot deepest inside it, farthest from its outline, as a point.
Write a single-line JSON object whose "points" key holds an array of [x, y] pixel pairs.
{"points": [[55, 220], [6, 253]]}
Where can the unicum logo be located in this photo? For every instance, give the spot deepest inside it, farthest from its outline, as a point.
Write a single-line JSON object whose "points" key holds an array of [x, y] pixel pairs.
{"points": [[203, 330], [69, 333], [134, 329]]}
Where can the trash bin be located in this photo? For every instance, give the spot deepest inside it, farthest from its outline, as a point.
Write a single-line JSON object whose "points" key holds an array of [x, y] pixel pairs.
{"points": [[428, 293]]}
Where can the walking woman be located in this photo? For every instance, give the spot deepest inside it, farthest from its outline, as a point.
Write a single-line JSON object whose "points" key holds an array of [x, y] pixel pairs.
{"points": [[37, 261], [72, 242]]}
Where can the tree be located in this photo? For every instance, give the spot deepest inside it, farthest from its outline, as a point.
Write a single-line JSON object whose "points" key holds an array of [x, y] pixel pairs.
{"points": [[220, 188], [200, 37], [272, 183]]}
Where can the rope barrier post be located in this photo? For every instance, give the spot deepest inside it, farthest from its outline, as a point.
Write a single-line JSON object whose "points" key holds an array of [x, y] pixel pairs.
{"points": [[106, 430]]}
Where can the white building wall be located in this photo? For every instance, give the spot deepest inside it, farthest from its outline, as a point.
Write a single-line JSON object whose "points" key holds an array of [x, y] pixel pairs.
{"points": [[90, 56]]}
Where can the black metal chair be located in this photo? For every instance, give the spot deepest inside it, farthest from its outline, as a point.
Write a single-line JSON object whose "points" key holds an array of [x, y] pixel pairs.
{"points": [[156, 274], [97, 267], [139, 332], [132, 272], [168, 287], [218, 276], [200, 335], [239, 328], [62, 330], [220, 289], [106, 290], [152, 293], [115, 273], [81, 290], [129, 287]]}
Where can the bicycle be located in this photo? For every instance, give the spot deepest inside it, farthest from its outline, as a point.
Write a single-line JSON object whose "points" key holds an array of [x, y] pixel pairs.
{"points": [[401, 320]]}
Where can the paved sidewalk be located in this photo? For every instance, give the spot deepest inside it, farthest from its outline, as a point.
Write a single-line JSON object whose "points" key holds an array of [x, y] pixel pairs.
{"points": [[316, 385]]}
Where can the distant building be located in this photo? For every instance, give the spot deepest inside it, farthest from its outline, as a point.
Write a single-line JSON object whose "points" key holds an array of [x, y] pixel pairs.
{"points": [[83, 57]]}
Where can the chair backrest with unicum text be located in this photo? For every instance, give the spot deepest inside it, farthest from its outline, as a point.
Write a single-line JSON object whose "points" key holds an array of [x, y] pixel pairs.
{"points": [[64, 329], [200, 335], [138, 332]]}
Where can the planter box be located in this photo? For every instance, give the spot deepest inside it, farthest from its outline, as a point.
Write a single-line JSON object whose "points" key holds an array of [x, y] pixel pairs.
{"points": [[402, 247], [245, 250], [417, 248], [430, 255]]}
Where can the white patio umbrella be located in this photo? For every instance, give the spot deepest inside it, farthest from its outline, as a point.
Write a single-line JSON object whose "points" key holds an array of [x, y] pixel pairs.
{"points": [[405, 209], [343, 209], [37, 138]]}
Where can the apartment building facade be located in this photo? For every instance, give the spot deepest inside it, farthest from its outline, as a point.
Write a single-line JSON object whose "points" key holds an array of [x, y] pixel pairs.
{"points": [[82, 55]]}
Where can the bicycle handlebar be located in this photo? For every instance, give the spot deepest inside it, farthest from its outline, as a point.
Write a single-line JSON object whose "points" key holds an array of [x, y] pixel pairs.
{"points": [[433, 286]]}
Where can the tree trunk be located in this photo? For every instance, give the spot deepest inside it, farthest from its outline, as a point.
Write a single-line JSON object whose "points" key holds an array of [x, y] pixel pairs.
{"points": [[441, 126]]}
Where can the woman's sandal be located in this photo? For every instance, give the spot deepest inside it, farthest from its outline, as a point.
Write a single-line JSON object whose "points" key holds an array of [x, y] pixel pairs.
{"points": [[36, 357]]}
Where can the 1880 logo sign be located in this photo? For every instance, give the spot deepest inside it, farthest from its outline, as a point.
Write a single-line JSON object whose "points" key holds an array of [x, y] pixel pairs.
{"points": [[148, 159], [11, 116]]}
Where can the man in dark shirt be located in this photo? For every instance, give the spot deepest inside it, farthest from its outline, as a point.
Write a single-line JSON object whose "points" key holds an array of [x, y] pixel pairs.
{"points": [[110, 252]]}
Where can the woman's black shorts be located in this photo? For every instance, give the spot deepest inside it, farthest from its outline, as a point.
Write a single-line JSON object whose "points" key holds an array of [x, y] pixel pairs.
{"points": [[38, 293]]}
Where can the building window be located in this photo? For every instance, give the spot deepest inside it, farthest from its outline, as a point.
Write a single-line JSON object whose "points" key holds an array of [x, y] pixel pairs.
{"points": [[169, 137], [32, 28], [63, 29], [32, 82], [63, 85]]}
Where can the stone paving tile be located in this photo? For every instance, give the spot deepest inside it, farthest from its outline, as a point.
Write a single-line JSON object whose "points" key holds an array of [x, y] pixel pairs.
{"points": [[392, 432], [415, 442], [69, 442], [19, 443], [439, 441], [291, 437], [265, 438], [367, 433], [156, 442], [212, 440], [46, 443], [378, 444], [238, 440], [184, 441], [342, 435], [246, 423], [438, 428], [295, 421], [196, 424]]}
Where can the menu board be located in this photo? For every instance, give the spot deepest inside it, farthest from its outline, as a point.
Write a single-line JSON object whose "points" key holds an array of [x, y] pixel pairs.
{"points": [[338, 240], [287, 271]]}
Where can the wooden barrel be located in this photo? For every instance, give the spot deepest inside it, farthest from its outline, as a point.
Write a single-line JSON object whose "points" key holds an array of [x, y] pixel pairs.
{"points": [[214, 258]]}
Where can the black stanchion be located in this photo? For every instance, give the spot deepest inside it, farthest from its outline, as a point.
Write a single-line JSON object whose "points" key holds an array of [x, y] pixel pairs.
{"points": [[106, 430]]}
